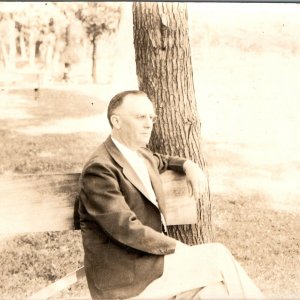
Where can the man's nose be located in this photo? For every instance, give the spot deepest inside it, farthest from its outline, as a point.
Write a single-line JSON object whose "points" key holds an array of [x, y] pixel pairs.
{"points": [[148, 122]]}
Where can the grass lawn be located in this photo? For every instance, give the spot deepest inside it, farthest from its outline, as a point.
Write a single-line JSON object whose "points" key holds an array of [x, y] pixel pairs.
{"points": [[265, 241]]}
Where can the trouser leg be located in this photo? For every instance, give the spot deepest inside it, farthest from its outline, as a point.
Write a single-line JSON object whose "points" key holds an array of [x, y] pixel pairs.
{"points": [[235, 284], [201, 266], [238, 283], [186, 269]]}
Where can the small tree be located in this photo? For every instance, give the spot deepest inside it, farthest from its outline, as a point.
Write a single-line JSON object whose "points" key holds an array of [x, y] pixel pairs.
{"points": [[71, 37], [98, 18], [70, 54]]}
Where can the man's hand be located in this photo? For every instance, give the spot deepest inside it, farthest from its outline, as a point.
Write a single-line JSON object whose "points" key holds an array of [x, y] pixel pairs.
{"points": [[196, 179]]}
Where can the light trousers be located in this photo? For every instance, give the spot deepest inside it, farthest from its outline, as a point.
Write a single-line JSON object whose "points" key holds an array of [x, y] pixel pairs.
{"points": [[189, 270]]}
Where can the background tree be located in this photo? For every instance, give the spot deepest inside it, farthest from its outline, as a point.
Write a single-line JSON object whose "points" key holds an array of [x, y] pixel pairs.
{"points": [[8, 35], [164, 70], [40, 25], [70, 54], [40, 35], [72, 37], [98, 18], [4, 41]]}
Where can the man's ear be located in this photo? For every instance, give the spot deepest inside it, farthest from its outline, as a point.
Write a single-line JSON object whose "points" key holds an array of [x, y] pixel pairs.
{"points": [[115, 120]]}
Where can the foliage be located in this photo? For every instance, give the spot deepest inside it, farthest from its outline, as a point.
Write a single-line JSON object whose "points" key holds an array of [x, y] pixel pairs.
{"points": [[40, 17], [53, 30], [98, 18], [43, 21]]}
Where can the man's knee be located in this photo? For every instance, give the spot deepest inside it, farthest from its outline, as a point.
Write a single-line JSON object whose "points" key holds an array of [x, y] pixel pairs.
{"points": [[220, 249], [220, 246]]}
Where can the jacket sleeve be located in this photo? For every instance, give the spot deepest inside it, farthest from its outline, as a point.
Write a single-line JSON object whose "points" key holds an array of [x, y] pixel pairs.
{"points": [[165, 162], [106, 205]]}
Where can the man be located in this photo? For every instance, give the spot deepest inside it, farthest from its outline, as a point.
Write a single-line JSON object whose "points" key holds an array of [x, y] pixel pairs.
{"points": [[127, 251]]}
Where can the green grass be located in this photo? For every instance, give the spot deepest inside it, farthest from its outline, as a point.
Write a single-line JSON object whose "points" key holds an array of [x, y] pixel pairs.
{"points": [[266, 242]]}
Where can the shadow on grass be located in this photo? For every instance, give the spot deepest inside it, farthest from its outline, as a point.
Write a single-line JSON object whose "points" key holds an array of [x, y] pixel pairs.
{"points": [[49, 105]]}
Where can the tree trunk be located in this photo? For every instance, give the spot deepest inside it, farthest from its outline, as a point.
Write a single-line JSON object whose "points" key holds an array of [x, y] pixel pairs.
{"points": [[12, 43], [31, 48], [4, 54], [50, 52], [23, 46], [164, 70], [94, 60]]}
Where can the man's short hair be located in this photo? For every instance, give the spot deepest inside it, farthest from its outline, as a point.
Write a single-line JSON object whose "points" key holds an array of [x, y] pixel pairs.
{"points": [[117, 101]]}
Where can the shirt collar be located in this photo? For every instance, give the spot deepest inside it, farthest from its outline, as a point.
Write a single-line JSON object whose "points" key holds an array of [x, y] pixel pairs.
{"points": [[124, 149]]}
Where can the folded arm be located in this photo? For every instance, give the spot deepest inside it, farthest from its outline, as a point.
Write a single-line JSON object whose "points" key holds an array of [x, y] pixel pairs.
{"points": [[196, 179]]}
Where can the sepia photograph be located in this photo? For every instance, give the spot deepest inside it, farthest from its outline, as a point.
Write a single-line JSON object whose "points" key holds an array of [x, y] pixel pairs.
{"points": [[149, 150]]}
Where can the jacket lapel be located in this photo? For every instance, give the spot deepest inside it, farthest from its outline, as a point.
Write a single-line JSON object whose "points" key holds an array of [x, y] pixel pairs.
{"points": [[128, 171], [156, 183]]}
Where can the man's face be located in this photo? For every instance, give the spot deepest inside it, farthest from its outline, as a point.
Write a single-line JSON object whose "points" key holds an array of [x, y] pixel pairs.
{"points": [[134, 121]]}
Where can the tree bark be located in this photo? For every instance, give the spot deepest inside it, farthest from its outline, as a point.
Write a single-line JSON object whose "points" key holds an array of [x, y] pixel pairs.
{"points": [[164, 70]]}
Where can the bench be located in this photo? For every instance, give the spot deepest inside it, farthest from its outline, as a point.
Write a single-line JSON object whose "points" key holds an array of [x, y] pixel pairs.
{"points": [[51, 199]]}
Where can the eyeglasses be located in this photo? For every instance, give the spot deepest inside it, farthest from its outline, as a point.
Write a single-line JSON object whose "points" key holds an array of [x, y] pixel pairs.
{"points": [[141, 117]]}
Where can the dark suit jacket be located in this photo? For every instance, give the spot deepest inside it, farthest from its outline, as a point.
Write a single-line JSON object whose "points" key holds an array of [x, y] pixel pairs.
{"points": [[121, 228]]}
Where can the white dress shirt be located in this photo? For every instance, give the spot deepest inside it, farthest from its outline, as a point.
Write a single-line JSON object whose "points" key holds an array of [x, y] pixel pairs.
{"points": [[139, 166]]}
